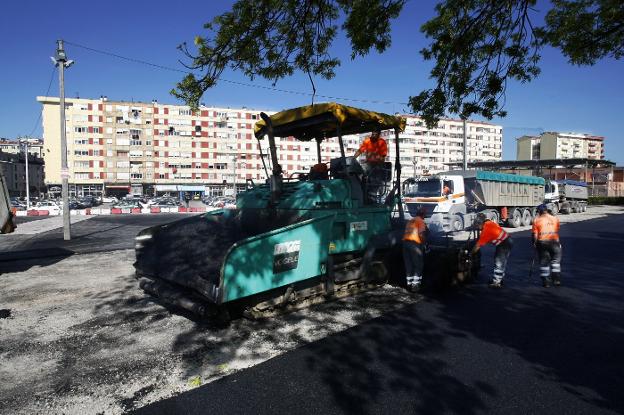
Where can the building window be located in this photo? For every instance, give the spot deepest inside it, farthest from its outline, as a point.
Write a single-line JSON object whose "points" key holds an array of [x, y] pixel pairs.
{"points": [[81, 152], [81, 129], [136, 176], [81, 176], [96, 130], [81, 141], [81, 164]]}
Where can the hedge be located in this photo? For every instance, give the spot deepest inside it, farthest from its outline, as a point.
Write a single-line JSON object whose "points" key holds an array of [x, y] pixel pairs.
{"points": [[603, 200]]}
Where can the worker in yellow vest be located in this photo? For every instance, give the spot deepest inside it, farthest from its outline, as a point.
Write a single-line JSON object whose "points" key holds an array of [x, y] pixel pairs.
{"points": [[546, 240], [414, 240]]}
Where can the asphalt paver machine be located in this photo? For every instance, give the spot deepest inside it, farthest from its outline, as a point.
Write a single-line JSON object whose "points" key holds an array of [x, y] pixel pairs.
{"points": [[290, 242]]}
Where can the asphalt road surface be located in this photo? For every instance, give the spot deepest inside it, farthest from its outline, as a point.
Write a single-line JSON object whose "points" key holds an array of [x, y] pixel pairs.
{"points": [[523, 349], [95, 234]]}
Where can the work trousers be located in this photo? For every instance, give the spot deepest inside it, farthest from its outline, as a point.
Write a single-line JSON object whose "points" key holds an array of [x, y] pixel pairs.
{"points": [[414, 262], [500, 259], [549, 252]]}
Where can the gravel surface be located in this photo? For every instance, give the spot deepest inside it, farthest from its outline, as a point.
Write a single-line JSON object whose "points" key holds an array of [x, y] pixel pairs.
{"points": [[78, 336], [81, 338]]}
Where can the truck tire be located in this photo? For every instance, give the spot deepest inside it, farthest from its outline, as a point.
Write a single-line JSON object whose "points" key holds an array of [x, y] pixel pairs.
{"points": [[457, 223], [555, 209], [493, 216], [515, 218], [527, 217]]}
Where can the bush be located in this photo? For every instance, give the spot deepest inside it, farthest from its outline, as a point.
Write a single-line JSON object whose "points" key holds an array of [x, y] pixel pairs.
{"points": [[603, 200]]}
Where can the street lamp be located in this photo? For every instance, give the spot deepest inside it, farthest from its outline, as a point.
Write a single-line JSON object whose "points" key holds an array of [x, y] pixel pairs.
{"points": [[234, 163], [25, 142]]}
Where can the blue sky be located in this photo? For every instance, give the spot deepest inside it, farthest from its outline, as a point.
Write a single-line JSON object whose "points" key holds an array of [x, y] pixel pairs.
{"points": [[564, 97]]}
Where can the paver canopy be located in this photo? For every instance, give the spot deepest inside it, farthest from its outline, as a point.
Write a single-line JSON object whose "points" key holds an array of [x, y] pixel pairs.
{"points": [[327, 120]]}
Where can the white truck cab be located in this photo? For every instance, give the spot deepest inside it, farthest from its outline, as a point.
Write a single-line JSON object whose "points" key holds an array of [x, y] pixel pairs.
{"points": [[441, 196]]}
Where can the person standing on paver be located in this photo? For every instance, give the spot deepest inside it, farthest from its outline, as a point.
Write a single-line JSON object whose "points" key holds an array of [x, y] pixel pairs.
{"points": [[414, 240], [545, 238], [492, 233]]}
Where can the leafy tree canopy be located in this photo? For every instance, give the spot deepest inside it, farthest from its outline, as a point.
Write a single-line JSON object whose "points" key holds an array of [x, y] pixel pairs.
{"points": [[476, 46]]}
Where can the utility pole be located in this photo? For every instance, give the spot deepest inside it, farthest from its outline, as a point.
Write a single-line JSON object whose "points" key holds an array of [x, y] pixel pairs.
{"points": [[465, 161], [60, 60], [25, 142], [234, 160]]}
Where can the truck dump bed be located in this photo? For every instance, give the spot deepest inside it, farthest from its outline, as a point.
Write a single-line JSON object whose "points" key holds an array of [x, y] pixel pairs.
{"points": [[502, 189]]}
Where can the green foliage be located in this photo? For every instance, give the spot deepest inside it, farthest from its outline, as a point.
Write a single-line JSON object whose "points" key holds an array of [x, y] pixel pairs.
{"points": [[586, 30], [476, 47], [603, 200], [274, 38]]}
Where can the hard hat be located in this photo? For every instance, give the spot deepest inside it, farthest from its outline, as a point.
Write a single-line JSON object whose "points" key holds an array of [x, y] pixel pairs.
{"points": [[542, 208]]}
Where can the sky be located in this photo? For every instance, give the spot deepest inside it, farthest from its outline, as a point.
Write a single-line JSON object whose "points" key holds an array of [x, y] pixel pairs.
{"points": [[563, 98]]}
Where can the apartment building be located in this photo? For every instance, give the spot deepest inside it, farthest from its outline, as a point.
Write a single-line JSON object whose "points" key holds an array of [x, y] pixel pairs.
{"points": [[13, 168], [151, 148], [35, 146], [554, 145], [435, 150]]}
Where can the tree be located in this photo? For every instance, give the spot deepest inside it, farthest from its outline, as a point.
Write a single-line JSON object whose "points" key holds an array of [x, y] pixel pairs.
{"points": [[476, 46]]}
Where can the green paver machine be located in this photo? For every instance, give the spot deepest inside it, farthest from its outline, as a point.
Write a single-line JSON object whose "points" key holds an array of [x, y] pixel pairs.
{"points": [[289, 242]]}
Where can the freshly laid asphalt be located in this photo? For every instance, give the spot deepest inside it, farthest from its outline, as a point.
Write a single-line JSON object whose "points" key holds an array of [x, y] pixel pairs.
{"points": [[523, 349]]}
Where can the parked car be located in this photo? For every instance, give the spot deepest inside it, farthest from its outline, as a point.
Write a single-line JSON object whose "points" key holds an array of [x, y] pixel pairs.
{"points": [[109, 199], [50, 206], [128, 204]]}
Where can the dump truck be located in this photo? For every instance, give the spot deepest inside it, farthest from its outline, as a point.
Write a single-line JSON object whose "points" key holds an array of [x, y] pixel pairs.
{"points": [[566, 196], [452, 199], [7, 224], [290, 240]]}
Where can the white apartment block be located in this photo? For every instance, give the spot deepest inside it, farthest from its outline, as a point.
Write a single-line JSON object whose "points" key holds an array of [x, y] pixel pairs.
{"points": [[35, 146], [134, 147], [554, 145], [435, 150]]}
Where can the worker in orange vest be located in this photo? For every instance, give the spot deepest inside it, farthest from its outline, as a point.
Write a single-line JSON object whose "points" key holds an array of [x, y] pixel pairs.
{"points": [[375, 148], [414, 240], [546, 240], [492, 233]]}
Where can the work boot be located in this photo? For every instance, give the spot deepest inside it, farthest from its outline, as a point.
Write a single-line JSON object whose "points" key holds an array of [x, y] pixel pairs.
{"points": [[496, 284], [556, 279], [545, 283]]}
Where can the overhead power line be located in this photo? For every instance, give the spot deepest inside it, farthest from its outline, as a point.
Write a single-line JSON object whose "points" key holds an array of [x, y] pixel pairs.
{"points": [[245, 84], [46, 94]]}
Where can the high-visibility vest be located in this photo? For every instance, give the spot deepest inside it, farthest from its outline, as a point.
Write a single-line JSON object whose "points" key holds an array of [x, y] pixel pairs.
{"points": [[492, 233], [546, 228], [414, 228], [376, 152]]}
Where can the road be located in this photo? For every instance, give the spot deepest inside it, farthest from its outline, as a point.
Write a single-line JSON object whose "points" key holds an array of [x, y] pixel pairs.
{"points": [[91, 234], [523, 349]]}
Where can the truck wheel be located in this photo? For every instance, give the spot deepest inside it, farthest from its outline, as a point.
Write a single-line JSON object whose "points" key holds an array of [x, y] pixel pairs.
{"points": [[493, 216], [457, 223], [527, 218], [515, 218], [555, 209]]}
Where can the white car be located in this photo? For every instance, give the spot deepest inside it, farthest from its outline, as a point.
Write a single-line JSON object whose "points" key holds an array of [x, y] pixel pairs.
{"points": [[109, 199], [50, 206]]}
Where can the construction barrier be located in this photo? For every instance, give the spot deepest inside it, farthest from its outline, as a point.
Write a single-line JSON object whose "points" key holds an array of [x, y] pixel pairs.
{"points": [[116, 211]]}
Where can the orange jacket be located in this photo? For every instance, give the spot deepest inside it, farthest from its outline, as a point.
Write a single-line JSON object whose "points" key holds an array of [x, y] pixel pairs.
{"points": [[415, 230], [376, 152], [546, 228], [493, 233]]}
